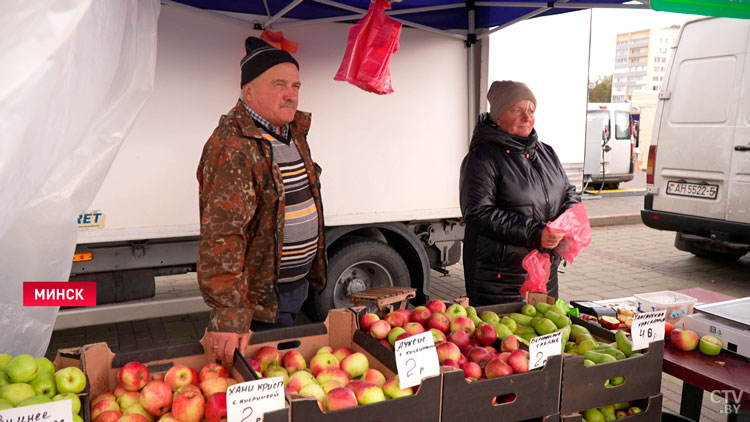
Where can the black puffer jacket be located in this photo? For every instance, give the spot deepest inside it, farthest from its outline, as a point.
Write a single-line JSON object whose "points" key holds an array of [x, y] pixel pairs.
{"points": [[510, 188]]}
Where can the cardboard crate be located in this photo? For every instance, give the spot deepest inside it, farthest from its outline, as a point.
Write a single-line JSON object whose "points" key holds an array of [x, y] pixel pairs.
{"points": [[583, 387], [340, 330], [652, 412], [101, 365], [72, 357]]}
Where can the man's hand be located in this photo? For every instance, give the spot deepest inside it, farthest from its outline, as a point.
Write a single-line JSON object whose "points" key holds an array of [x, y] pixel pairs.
{"points": [[223, 344], [550, 240]]}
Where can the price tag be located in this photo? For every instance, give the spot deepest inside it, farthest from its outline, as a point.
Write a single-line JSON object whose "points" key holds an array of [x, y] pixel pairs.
{"points": [[542, 347], [416, 358], [646, 328], [55, 411], [248, 401]]}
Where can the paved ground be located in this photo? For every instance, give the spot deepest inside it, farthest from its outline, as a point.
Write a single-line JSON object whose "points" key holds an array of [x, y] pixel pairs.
{"points": [[624, 258]]}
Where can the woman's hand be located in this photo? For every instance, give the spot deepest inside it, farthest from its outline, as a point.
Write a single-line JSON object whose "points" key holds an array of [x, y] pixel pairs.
{"points": [[550, 240]]}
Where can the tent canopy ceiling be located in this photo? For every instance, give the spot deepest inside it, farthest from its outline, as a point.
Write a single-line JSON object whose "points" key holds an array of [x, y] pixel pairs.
{"points": [[450, 17]]}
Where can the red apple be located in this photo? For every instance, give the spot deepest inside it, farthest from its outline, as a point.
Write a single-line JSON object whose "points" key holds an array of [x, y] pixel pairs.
{"points": [[497, 368], [668, 327], [332, 373], [352, 385], [504, 356], [103, 396], [128, 399], [216, 408], [509, 344], [342, 352], [369, 393], [133, 376], [212, 370], [448, 350], [373, 376], [406, 312], [392, 390], [119, 391], [464, 323], [355, 365], [519, 361], [156, 377], [439, 321], [189, 406], [340, 398], [212, 386], [472, 371], [132, 417], [685, 340], [180, 375], [460, 338], [462, 360], [293, 361], [299, 379], [255, 365], [186, 387], [479, 355], [450, 362], [108, 416], [266, 356], [322, 361], [485, 334], [386, 344], [421, 314], [414, 328], [436, 306], [104, 406], [366, 320], [380, 329], [437, 335], [396, 319], [156, 398]]}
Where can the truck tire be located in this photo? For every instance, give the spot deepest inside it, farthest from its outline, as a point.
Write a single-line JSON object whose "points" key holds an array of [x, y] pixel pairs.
{"points": [[358, 266]]}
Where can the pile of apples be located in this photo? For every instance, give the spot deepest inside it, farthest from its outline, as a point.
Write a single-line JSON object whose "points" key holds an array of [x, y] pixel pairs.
{"points": [[687, 340], [337, 378], [611, 412], [483, 346], [25, 381], [181, 395]]}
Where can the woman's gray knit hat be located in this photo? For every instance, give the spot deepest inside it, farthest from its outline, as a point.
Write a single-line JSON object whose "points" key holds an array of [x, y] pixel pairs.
{"points": [[503, 94]]}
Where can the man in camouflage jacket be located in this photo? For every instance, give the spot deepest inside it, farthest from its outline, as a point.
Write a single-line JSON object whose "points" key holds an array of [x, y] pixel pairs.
{"points": [[242, 201]]}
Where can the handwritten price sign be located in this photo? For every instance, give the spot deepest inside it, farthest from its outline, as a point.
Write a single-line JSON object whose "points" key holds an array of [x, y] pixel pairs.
{"points": [[416, 358], [542, 347], [247, 402], [56, 411], [647, 328]]}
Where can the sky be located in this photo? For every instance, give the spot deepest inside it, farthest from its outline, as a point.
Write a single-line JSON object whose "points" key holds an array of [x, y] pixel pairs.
{"points": [[607, 23]]}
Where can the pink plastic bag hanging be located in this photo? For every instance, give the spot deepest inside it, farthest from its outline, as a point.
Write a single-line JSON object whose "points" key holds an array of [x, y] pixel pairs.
{"points": [[537, 266], [369, 47], [574, 222]]}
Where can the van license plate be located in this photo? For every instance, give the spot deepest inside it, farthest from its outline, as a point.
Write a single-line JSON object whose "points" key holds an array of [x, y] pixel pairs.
{"points": [[695, 190]]}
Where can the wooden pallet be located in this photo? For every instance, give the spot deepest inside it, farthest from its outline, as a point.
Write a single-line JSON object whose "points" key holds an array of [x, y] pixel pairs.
{"points": [[384, 297]]}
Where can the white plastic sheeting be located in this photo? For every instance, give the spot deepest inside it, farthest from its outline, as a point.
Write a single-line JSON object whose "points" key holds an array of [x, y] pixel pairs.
{"points": [[73, 76]]}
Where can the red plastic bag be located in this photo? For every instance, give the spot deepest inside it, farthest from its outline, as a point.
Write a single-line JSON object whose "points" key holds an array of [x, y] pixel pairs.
{"points": [[575, 224], [277, 40], [537, 266], [371, 43]]}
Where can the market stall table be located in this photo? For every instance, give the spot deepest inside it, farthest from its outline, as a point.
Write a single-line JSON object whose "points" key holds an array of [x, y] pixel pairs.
{"points": [[726, 376]]}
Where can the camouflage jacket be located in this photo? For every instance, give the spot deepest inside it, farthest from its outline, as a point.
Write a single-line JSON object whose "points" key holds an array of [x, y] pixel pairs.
{"points": [[242, 221]]}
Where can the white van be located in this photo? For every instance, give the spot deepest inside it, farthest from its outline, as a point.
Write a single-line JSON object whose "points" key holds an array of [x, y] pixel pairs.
{"points": [[609, 147], [698, 176]]}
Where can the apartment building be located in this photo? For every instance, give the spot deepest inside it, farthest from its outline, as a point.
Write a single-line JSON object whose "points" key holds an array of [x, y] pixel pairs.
{"points": [[641, 61]]}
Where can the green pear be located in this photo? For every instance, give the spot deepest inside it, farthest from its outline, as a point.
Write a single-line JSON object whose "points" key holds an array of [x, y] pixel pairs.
{"points": [[4, 404], [34, 400], [45, 365], [4, 379], [21, 368], [489, 316], [4, 359], [76, 402], [470, 310], [44, 384], [77, 418], [16, 393]]}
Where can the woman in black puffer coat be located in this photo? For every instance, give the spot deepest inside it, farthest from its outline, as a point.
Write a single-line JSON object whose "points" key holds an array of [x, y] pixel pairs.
{"points": [[511, 186]]}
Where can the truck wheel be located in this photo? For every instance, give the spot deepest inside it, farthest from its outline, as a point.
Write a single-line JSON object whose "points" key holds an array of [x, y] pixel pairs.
{"points": [[359, 266]]}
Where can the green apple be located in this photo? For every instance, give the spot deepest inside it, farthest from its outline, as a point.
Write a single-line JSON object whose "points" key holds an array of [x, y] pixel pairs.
{"points": [[21, 368], [76, 402], [44, 384], [45, 365], [70, 380], [39, 399], [5, 404], [17, 392], [710, 345], [456, 310], [4, 359], [4, 379]]}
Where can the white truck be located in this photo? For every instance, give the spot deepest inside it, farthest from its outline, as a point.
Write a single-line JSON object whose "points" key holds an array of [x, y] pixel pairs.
{"points": [[610, 154], [390, 166], [698, 177]]}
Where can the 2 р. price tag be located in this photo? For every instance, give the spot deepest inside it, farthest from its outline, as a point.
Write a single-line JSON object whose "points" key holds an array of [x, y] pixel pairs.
{"points": [[647, 328], [416, 358], [542, 347], [250, 400], [59, 411]]}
